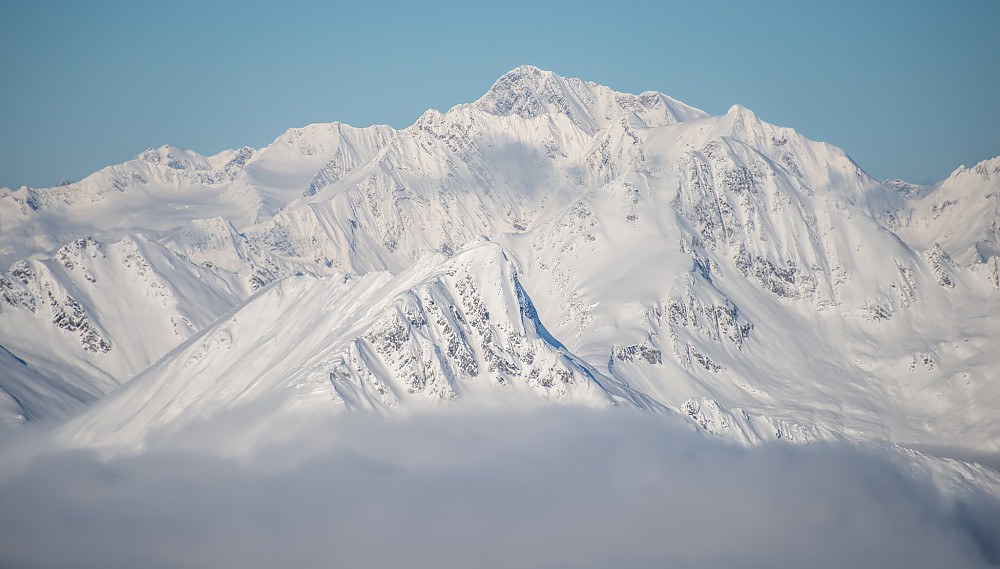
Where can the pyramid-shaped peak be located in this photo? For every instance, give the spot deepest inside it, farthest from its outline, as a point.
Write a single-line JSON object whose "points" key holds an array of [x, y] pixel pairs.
{"points": [[526, 91], [527, 71], [737, 110], [529, 92]]}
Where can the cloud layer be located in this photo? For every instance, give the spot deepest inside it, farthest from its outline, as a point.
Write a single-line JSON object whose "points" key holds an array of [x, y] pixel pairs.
{"points": [[548, 488]]}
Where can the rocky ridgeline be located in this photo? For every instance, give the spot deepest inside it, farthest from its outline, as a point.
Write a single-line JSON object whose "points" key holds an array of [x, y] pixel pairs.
{"points": [[32, 287], [469, 323]]}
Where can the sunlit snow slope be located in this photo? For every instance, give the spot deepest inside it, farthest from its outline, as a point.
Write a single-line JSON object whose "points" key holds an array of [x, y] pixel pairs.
{"points": [[553, 241]]}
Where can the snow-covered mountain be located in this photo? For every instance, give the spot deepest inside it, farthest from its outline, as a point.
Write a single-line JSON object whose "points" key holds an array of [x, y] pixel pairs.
{"points": [[446, 328], [554, 241], [81, 322]]}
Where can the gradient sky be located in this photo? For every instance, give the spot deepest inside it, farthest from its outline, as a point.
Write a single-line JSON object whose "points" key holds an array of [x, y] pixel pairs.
{"points": [[909, 89]]}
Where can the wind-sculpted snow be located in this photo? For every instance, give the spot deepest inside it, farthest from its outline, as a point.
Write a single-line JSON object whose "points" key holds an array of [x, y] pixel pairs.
{"points": [[747, 279]]}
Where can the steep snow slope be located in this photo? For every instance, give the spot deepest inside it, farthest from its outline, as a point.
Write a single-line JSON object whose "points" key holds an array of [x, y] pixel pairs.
{"points": [[958, 219], [445, 328], [747, 278], [735, 276], [75, 326], [532, 144]]}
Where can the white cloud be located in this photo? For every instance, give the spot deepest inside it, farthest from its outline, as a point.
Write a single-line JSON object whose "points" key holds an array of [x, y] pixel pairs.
{"points": [[547, 488]]}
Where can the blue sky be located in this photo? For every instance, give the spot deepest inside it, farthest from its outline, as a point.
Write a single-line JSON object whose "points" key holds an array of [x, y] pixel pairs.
{"points": [[908, 89]]}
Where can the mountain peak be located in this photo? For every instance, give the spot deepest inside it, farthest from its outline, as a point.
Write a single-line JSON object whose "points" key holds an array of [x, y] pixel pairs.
{"points": [[983, 170], [173, 157], [737, 110], [529, 92], [527, 71], [523, 91]]}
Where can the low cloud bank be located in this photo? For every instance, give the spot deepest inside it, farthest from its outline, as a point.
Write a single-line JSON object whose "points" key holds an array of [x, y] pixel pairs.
{"points": [[550, 488]]}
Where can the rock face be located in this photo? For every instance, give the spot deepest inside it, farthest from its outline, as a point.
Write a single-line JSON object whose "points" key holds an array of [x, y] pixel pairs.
{"points": [[637, 252]]}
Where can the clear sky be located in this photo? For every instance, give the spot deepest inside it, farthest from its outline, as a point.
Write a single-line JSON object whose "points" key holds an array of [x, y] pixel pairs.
{"points": [[910, 89]]}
